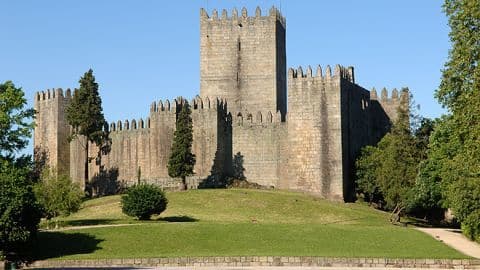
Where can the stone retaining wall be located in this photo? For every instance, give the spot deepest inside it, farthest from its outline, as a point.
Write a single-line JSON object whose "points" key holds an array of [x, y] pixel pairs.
{"points": [[249, 261]]}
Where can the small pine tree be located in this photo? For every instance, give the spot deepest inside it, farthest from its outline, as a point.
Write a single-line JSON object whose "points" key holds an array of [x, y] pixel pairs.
{"points": [[182, 160], [85, 115]]}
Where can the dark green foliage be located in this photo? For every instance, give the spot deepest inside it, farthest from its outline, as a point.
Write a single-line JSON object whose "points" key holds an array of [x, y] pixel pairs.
{"points": [[471, 225], [461, 75], [84, 114], [463, 196], [19, 210], [182, 160], [58, 195], [425, 198], [144, 200], [15, 129], [387, 172], [454, 153], [366, 174]]}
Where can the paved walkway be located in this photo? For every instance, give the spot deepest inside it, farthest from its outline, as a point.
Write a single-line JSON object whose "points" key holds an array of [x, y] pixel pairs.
{"points": [[455, 239]]}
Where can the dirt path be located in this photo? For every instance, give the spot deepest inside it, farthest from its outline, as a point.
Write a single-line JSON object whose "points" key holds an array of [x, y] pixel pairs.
{"points": [[455, 239], [90, 226]]}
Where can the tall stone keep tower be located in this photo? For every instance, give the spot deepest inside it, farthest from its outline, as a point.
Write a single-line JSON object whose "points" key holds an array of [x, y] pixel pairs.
{"points": [[242, 59]]}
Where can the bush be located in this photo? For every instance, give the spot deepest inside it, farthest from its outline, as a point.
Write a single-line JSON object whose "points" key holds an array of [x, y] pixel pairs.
{"points": [[58, 195], [144, 200]]}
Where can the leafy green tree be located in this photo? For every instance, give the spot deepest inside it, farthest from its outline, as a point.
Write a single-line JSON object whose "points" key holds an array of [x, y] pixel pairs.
{"points": [[454, 147], [15, 124], [19, 211], [426, 195], [57, 195], [182, 160], [85, 115], [144, 200], [366, 175], [390, 168]]}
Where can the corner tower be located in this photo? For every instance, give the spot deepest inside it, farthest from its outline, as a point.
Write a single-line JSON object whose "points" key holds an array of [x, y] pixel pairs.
{"points": [[52, 130], [242, 59]]}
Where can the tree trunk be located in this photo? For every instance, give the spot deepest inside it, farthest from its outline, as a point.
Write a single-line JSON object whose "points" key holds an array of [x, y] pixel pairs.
{"points": [[87, 186], [184, 182], [395, 216]]}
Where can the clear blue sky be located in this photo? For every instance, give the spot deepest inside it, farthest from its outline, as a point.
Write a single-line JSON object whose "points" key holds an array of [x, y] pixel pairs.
{"points": [[143, 51]]}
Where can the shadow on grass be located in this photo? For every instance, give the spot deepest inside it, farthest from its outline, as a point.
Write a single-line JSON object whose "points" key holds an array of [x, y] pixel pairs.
{"points": [[178, 219], [50, 245], [89, 222]]}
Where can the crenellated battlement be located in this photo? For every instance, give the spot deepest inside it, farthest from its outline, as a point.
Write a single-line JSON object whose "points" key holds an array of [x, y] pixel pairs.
{"points": [[53, 94], [130, 125], [236, 17], [395, 96], [196, 103], [258, 118], [341, 72]]}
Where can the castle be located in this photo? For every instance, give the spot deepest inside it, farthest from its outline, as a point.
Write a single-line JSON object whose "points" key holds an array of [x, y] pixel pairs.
{"points": [[245, 122]]}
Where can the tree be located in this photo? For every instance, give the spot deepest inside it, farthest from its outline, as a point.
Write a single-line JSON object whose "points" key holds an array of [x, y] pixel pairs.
{"points": [[454, 148], [19, 211], [15, 127], [426, 196], [144, 200], [390, 168], [366, 175], [84, 114], [57, 195], [182, 160]]}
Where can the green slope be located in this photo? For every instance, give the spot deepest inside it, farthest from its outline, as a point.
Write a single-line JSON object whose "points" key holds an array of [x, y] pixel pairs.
{"points": [[238, 222]]}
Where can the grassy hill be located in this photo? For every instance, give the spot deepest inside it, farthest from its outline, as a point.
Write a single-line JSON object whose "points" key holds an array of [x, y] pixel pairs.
{"points": [[237, 222]]}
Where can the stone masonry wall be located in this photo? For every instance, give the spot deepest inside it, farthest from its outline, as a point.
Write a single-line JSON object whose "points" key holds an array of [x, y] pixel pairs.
{"points": [[356, 130], [211, 138], [242, 59], [257, 141], [314, 132], [144, 146]]}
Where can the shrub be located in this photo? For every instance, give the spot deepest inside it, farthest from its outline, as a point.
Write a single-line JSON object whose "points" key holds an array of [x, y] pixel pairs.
{"points": [[58, 195], [144, 200]]}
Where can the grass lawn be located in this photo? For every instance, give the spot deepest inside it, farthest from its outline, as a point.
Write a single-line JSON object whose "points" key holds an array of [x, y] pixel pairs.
{"points": [[238, 222]]}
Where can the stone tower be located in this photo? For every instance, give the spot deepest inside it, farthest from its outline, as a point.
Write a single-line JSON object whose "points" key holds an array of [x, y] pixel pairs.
{"points": [[242, 59], [52, 130]]}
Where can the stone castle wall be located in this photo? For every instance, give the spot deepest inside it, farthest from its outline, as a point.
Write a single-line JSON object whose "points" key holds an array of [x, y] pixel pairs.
{"points": [[257, 142], [314, 132]]}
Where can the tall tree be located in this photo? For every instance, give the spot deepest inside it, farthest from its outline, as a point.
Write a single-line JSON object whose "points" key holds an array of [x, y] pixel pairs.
{"points": [[387, 172], [19, 211], [457, 156], [15, 124], [85, 115], [182, 160]]}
